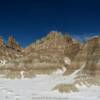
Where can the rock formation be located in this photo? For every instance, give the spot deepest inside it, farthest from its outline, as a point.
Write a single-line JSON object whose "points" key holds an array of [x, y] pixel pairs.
{"points": [[50, 53], [9, 52], [1, 41], [13, 44]]}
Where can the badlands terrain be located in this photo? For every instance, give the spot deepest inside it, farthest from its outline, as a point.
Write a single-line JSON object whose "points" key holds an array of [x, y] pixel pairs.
{"points": [[56, 67]]}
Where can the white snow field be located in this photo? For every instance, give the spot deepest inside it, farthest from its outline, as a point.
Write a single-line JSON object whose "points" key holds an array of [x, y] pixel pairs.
{"points": [[40, 88]]}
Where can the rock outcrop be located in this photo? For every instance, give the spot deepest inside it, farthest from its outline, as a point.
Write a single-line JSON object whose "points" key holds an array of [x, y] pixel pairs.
{"points": [[54, 48], [51, 53], [11, 51], [13, 44], [89, 53], [1, 41]]}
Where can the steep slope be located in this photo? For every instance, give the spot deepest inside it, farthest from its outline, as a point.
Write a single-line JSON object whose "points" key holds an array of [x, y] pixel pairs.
{"points": [[89, 54], [54, 48], [10, 50], [55, 51], [9, 53], [54, 42], [47, 55]]}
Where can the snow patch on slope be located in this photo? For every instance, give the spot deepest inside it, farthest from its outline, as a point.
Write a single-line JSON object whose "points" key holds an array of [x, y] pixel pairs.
{"points": [[67, 61], [26, 89]]}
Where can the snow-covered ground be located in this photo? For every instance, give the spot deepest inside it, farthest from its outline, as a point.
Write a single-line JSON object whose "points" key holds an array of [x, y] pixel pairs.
{"points": [[40, 88]]}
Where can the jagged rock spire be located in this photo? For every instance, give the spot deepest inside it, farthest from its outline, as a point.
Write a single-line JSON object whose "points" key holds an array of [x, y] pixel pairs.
{"points": [[11, 41], [13, 44]]}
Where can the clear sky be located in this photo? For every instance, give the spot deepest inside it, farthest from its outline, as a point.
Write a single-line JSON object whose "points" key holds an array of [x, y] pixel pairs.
{"points": [[29, 20]]}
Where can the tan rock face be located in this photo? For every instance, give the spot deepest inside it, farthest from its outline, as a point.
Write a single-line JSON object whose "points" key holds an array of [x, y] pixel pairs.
{"points": [[53, 43], [13, 44], [9, 52], [55, 47], [89, 53], [51, 49], [49, 53], [93, 54], [1, 41]]}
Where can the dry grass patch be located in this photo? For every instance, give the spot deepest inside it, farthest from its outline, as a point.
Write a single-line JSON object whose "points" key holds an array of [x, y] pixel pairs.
{"points": [[66, 88]]}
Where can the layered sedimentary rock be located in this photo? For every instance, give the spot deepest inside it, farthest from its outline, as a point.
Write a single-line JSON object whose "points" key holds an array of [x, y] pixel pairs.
{"points": [[50, 53]]}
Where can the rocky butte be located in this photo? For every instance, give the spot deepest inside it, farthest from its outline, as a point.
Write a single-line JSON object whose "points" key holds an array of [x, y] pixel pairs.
{"points": [[55, 51]]}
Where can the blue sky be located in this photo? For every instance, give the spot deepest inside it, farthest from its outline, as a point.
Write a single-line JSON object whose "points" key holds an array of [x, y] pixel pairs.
{"points": [[29, 20]]}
